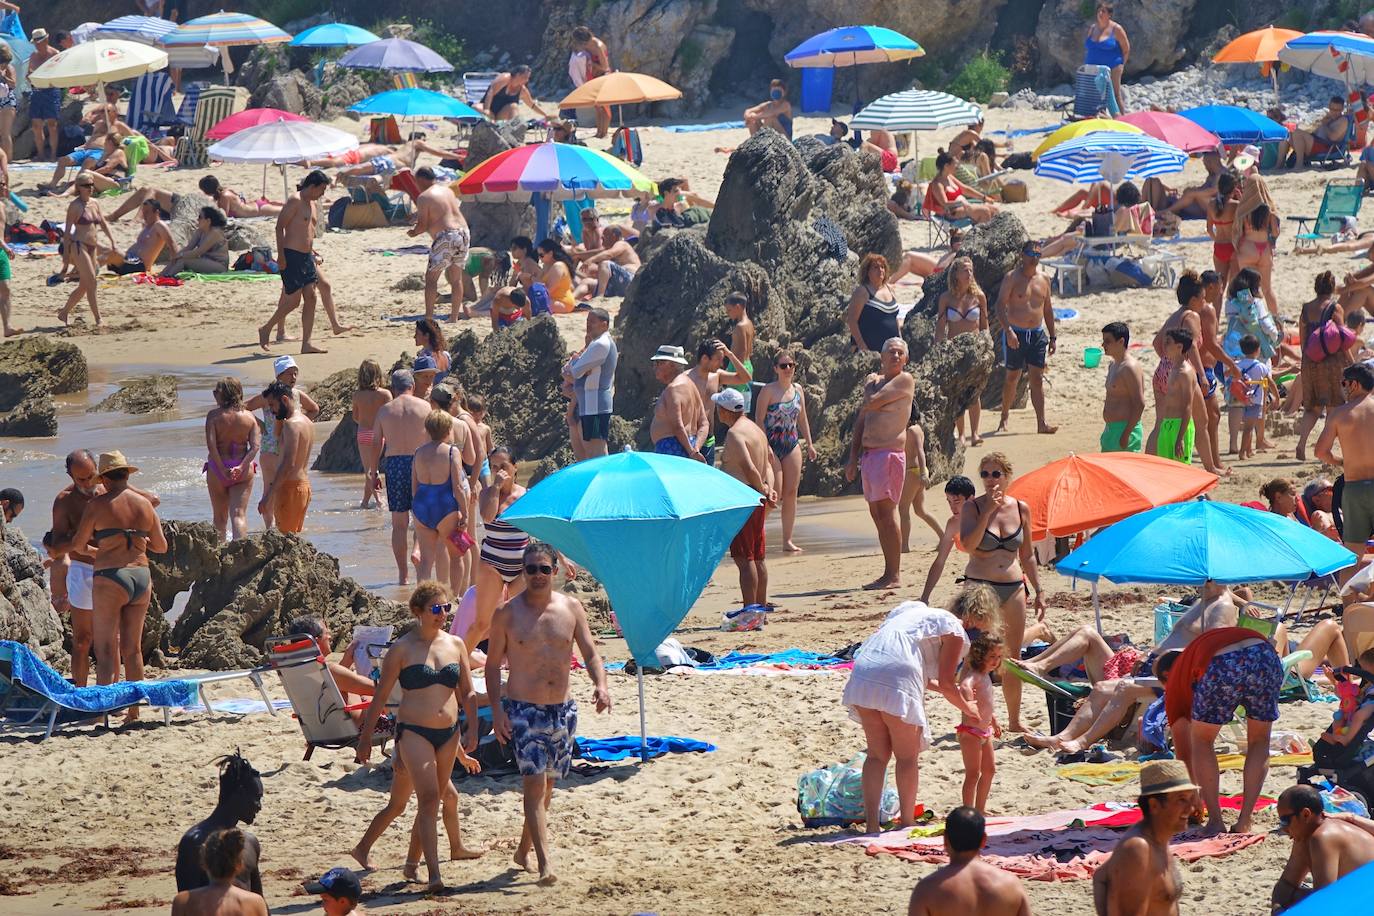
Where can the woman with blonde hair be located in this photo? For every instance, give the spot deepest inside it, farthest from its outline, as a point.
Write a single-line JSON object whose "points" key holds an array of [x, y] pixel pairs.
{"points": [[232, 438], [963, 309], [367, 400]]}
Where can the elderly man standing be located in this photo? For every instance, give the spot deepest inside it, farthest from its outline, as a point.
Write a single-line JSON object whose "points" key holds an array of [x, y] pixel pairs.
{"points": [[1325, 847], [593, 375], [680, 425], [879, 450], [438, 213], [1141, 875], [746, 459], [1027, 334], [45, 105], [400, 424]]}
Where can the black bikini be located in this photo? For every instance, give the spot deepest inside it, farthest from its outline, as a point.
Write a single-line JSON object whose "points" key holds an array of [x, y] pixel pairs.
{"points": [[135, 580], [500, 99], [418, 677]]}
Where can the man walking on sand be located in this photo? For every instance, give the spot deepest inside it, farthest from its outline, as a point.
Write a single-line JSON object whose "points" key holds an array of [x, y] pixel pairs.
{"points": [[1125, 401], [400, 424], [1352, 425], [879, 449], [288, 492], [437, 212], [1325, 847], [297, 259], [593, 377], [709, 378], [680, 425], [1141, 875], [1027, 334], [745, 458], [1176, 433], [534, 634], [967, 885]]}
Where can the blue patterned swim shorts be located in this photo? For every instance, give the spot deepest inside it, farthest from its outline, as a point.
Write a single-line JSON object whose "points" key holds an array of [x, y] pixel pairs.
{"points": [[396, 468], [543, 735], [1249, 677]]}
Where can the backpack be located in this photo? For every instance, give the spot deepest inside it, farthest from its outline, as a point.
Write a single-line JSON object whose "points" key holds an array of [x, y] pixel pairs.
{"points": [[27, 233], [1328, 338], [833, 796], [257, 259]]}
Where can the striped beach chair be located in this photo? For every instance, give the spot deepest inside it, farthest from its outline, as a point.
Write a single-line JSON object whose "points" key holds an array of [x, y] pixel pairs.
{"points": [[186, 112], [150, 103], [214, 105], [475, 85]]}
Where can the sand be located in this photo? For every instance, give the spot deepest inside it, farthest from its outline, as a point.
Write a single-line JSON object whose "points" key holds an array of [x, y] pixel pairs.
{"points": [[92, 817]]}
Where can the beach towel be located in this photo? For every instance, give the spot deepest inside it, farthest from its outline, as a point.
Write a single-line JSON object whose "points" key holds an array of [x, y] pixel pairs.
{"points": [[621, 747], [241, 706], [697, 128], [35, 251], [404, 249], [32, 672], [786, 660], [1110, 774], [241, 276]]}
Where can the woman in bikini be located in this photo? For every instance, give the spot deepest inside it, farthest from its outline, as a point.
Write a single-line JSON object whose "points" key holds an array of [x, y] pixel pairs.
{"points": [[556, 273], [963, 309], [1255, 236], [500, 573], [1323, 381], [994, 530], [235, 205], [232, 439], [439, 497], [83, 216], [207, 251], [123, 526], [370, 397], [950, 198], [1221, 216], [781, 410], [432, 668]]}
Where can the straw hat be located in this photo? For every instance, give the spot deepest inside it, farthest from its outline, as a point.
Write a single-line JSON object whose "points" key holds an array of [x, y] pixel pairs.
{"points": [[1160, 777], [114, 461], [670, 354]]}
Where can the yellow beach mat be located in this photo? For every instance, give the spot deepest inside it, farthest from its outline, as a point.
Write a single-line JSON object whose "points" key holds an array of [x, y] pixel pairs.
{"points": [[1110, 774]]}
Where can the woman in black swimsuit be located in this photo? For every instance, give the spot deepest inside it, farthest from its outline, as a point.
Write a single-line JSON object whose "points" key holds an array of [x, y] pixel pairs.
{"points": [[432, 669], [872, 314], [507, 91]]}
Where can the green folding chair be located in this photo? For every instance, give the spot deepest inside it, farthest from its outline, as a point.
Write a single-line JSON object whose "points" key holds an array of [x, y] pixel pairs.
{"points": [[1341, 199]]}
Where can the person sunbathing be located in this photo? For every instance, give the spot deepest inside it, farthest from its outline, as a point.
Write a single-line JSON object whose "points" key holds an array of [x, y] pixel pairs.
{"points": [[1329, 131], [1106, 705], [1190, 203], [384, 165], [234, 205], [1325, 847], [925, 266], [153, 238], [364, 152]]}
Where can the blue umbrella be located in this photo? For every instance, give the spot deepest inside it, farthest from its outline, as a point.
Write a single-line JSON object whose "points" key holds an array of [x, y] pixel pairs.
{"points": [[1235, 125], [416, 103], [651, 529], [1348, 895], [853, 44], [395, 54], [334, 35], [1121, 155]]}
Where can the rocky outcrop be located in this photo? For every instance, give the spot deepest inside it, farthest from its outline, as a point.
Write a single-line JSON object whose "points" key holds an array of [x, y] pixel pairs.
{"points": [[247, 591], [334, 395], [26, 611], [26, 406], [339, 454], [60, 365], [1156, 29], [494, 224], [295, 91], [150, 394]]}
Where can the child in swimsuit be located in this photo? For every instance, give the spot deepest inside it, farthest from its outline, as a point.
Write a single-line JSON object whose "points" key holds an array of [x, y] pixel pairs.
{"points": [[976, 733]]}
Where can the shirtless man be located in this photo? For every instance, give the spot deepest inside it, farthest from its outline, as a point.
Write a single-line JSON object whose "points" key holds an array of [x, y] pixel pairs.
{"points": [[72, 572], [240, 800], [879, 446], [1190, 203], [598, 64], [613, 266], [1125, 400], [1028, 333], [680, 425], [742, 339], [155, 236], [746, 459], [384, 165], [45, 104], [967, 884], [93, 151], [1352, 425], [288, 492], [1330, 130], [1140, 877], [775, 113], [296, 255], [364, 152], [1209, 352], [400, 424], [1174, 431], [534, 634], [709, 378], [437, 212], [1326, 848]]}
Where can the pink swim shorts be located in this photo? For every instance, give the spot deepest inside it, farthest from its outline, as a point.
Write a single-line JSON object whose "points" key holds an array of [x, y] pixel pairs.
{"points": [[883, 471]]}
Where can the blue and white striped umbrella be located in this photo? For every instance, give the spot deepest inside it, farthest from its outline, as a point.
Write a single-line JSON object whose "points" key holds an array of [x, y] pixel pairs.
{"points": [[1342, 56], [917, 109], [147, 29], [1110, 156], [224, 30]]}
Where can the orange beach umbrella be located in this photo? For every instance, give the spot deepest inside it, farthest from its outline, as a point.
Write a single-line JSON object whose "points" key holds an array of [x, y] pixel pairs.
{"points": [[1257, 47], [620, 88], [1083, 492]]}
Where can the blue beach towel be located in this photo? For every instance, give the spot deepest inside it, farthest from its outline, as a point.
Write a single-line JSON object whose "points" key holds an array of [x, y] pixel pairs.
{"points": [[748, 659], [622, 747], [697, 128], [33, 673]]}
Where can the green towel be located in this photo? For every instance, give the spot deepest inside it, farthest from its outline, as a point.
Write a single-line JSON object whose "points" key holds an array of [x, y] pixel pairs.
{"points": [[238, 275]]}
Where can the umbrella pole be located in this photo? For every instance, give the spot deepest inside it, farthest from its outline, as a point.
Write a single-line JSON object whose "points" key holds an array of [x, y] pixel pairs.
{"points": [[264, 179], [1274, 75], [1097, 609], [643, 728], [285, 193]]}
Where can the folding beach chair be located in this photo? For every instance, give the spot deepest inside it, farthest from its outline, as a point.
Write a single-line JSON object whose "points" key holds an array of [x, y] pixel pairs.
{"points": [[186, 112], [1338, 153], [476, 83], [150, 103], [316, 701], [405, 81], [625, 145], [214, 105], [1092, 93], [383, 129], [404, 181], [1341, 199]]}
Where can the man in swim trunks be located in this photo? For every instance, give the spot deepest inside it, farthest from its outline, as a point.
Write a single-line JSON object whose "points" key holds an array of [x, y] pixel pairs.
{"points": [[296, 256], [1190, 203], [1352, 425], [879, 448], [1330, 130], [967, 884], [1141, 875], [45, 105], [1027, 315], [288, 492], [400, 424], [1125, 401], [351, 157], [680, 421], [437, 212], [90, 153], [742, 340], [534, 634], [153, 238], [745, 458], [1325, 848], [709, 378], [614, 265], [72, 572], [593, 378], [1175, 406]]}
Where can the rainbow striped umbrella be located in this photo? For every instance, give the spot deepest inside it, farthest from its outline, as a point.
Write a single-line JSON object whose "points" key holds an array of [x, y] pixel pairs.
{"points": [[223, 30]]}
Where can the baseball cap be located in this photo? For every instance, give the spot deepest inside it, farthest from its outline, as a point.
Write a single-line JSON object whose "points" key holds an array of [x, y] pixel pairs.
{"points": [[282, 363], [1247, 157], [730, 399], [670, 354], [844, 128], [424, 363], [1031, 249], [1160, 777], [338, 882]]}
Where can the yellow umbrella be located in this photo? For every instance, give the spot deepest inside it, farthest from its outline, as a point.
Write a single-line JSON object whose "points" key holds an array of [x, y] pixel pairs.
{"points": [[97, 62], [620, 89], [1076, 129]]}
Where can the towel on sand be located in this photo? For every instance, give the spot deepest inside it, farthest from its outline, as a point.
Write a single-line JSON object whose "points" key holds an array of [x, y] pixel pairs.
{"points": [[605, 750], [231, 277], [32, 672], [698, 128], [1107, 774]]}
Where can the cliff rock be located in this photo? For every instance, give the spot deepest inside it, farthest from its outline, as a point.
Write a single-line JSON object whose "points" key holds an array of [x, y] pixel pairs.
{"points": [[26, 611], [150, 394], [1156, 29]]}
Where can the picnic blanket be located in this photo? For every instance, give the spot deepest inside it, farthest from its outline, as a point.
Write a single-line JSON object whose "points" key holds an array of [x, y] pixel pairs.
{"points": [[404, 249], [605, 750], [788, 661], [1110, 774], [44, 250], [32, 672], [231, 277], [698, 128]]}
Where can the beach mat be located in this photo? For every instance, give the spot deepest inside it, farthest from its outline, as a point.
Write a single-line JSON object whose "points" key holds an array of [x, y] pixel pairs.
{"points": [[404, 249], [698, 128], [242, 706], [1110, 774], [237, 276], [787, 661], [624, 747]]}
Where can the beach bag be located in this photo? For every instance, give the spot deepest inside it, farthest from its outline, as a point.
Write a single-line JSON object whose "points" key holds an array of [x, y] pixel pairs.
{"points": [[1328, 338], [741, 620], [1015, 192], [625, 145], [1119, 273], [26, 233], [1246, 316], [833, 796], [540, 301], [335, 218]]}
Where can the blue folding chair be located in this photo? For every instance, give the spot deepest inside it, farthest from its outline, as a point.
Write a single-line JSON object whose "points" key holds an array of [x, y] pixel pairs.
{"points": [[186, 112], [150, 103], [1338, 153]]}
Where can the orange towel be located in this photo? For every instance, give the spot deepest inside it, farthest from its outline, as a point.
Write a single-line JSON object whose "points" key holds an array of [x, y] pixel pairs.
{"points": [[289, 502]]}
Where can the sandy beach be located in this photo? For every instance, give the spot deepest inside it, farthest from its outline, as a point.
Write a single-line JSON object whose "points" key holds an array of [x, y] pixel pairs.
{"points": [[93, 816]]}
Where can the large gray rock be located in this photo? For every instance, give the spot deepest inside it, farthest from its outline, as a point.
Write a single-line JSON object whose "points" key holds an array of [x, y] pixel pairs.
{"points": [[26, 611], [1156, 29], [150, 394], [59, 364], [290, 91], [339, 454], [494, 224], [26, 406], [694, 63]]}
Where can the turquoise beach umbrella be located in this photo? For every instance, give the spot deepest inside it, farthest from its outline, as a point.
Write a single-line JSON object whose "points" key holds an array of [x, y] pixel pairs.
{"points": [[334, 35], [416, 103]]}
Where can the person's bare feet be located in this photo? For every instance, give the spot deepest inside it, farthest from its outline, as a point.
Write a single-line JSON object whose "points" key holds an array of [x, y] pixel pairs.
{"points": [[462, 853], [311, 348], [62, 315], [1041, 742], [262, 338], [1045, 429], [976, 441], [1001, 427], [411, 871], [522, 859], [12, 332], [1212, 828], [1243, 826], [789, 547], [286, 338], [547, 878], [881, 583], [341, 329], [435, 886], [363, 859]]}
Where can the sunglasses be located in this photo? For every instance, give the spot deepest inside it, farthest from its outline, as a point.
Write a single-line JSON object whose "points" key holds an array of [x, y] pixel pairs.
{"points": [[534, 569], [997, 475], [787, 365], [437, 609], [1285, 820]]}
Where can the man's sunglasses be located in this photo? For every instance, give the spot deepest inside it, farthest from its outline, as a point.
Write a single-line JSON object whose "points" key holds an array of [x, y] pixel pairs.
{"points": [[532, 569], [787, 365]]}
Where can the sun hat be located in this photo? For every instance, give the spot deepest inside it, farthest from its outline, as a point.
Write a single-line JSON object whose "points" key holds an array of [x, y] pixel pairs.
{"points": [[670, 354], [38, 34], [1160, 777], [730, 399], [424, 363], [113, 461], [1247, 157], [337, 882], [282, 363]]}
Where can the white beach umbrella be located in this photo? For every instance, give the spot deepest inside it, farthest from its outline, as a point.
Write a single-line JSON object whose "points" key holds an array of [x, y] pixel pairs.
{"points": [[917, 109], [97, 61], [282, 143]]}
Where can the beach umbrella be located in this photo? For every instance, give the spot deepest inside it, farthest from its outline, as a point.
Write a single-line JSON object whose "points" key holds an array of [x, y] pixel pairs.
{"points": [[226, 30], [251, 117], [1111, 156], [650, 528], [620, 88], [1346, 57], [1175, 130], [281, 143], [1076, 129], [1346, 895], [849, 45], [334, 35], [1236, 126], [542, 172], [1085, 492], [416, 103], [396, 54], [1262, 47], [917, 109], [84, 31], [145, 29], [97, 62]]}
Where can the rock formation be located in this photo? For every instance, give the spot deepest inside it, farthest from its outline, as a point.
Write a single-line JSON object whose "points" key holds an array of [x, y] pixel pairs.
{"points": [[32, 370], [494, 224], [150, 394], [26, 611], [1156, 29]]}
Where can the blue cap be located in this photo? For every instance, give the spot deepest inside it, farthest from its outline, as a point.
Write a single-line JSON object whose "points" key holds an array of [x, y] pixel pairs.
{"points": [[424, 363], [337, 882]]}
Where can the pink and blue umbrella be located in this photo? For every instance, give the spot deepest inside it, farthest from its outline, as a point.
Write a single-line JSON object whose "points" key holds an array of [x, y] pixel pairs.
{"points": [[397, 55], [853, 44]]}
